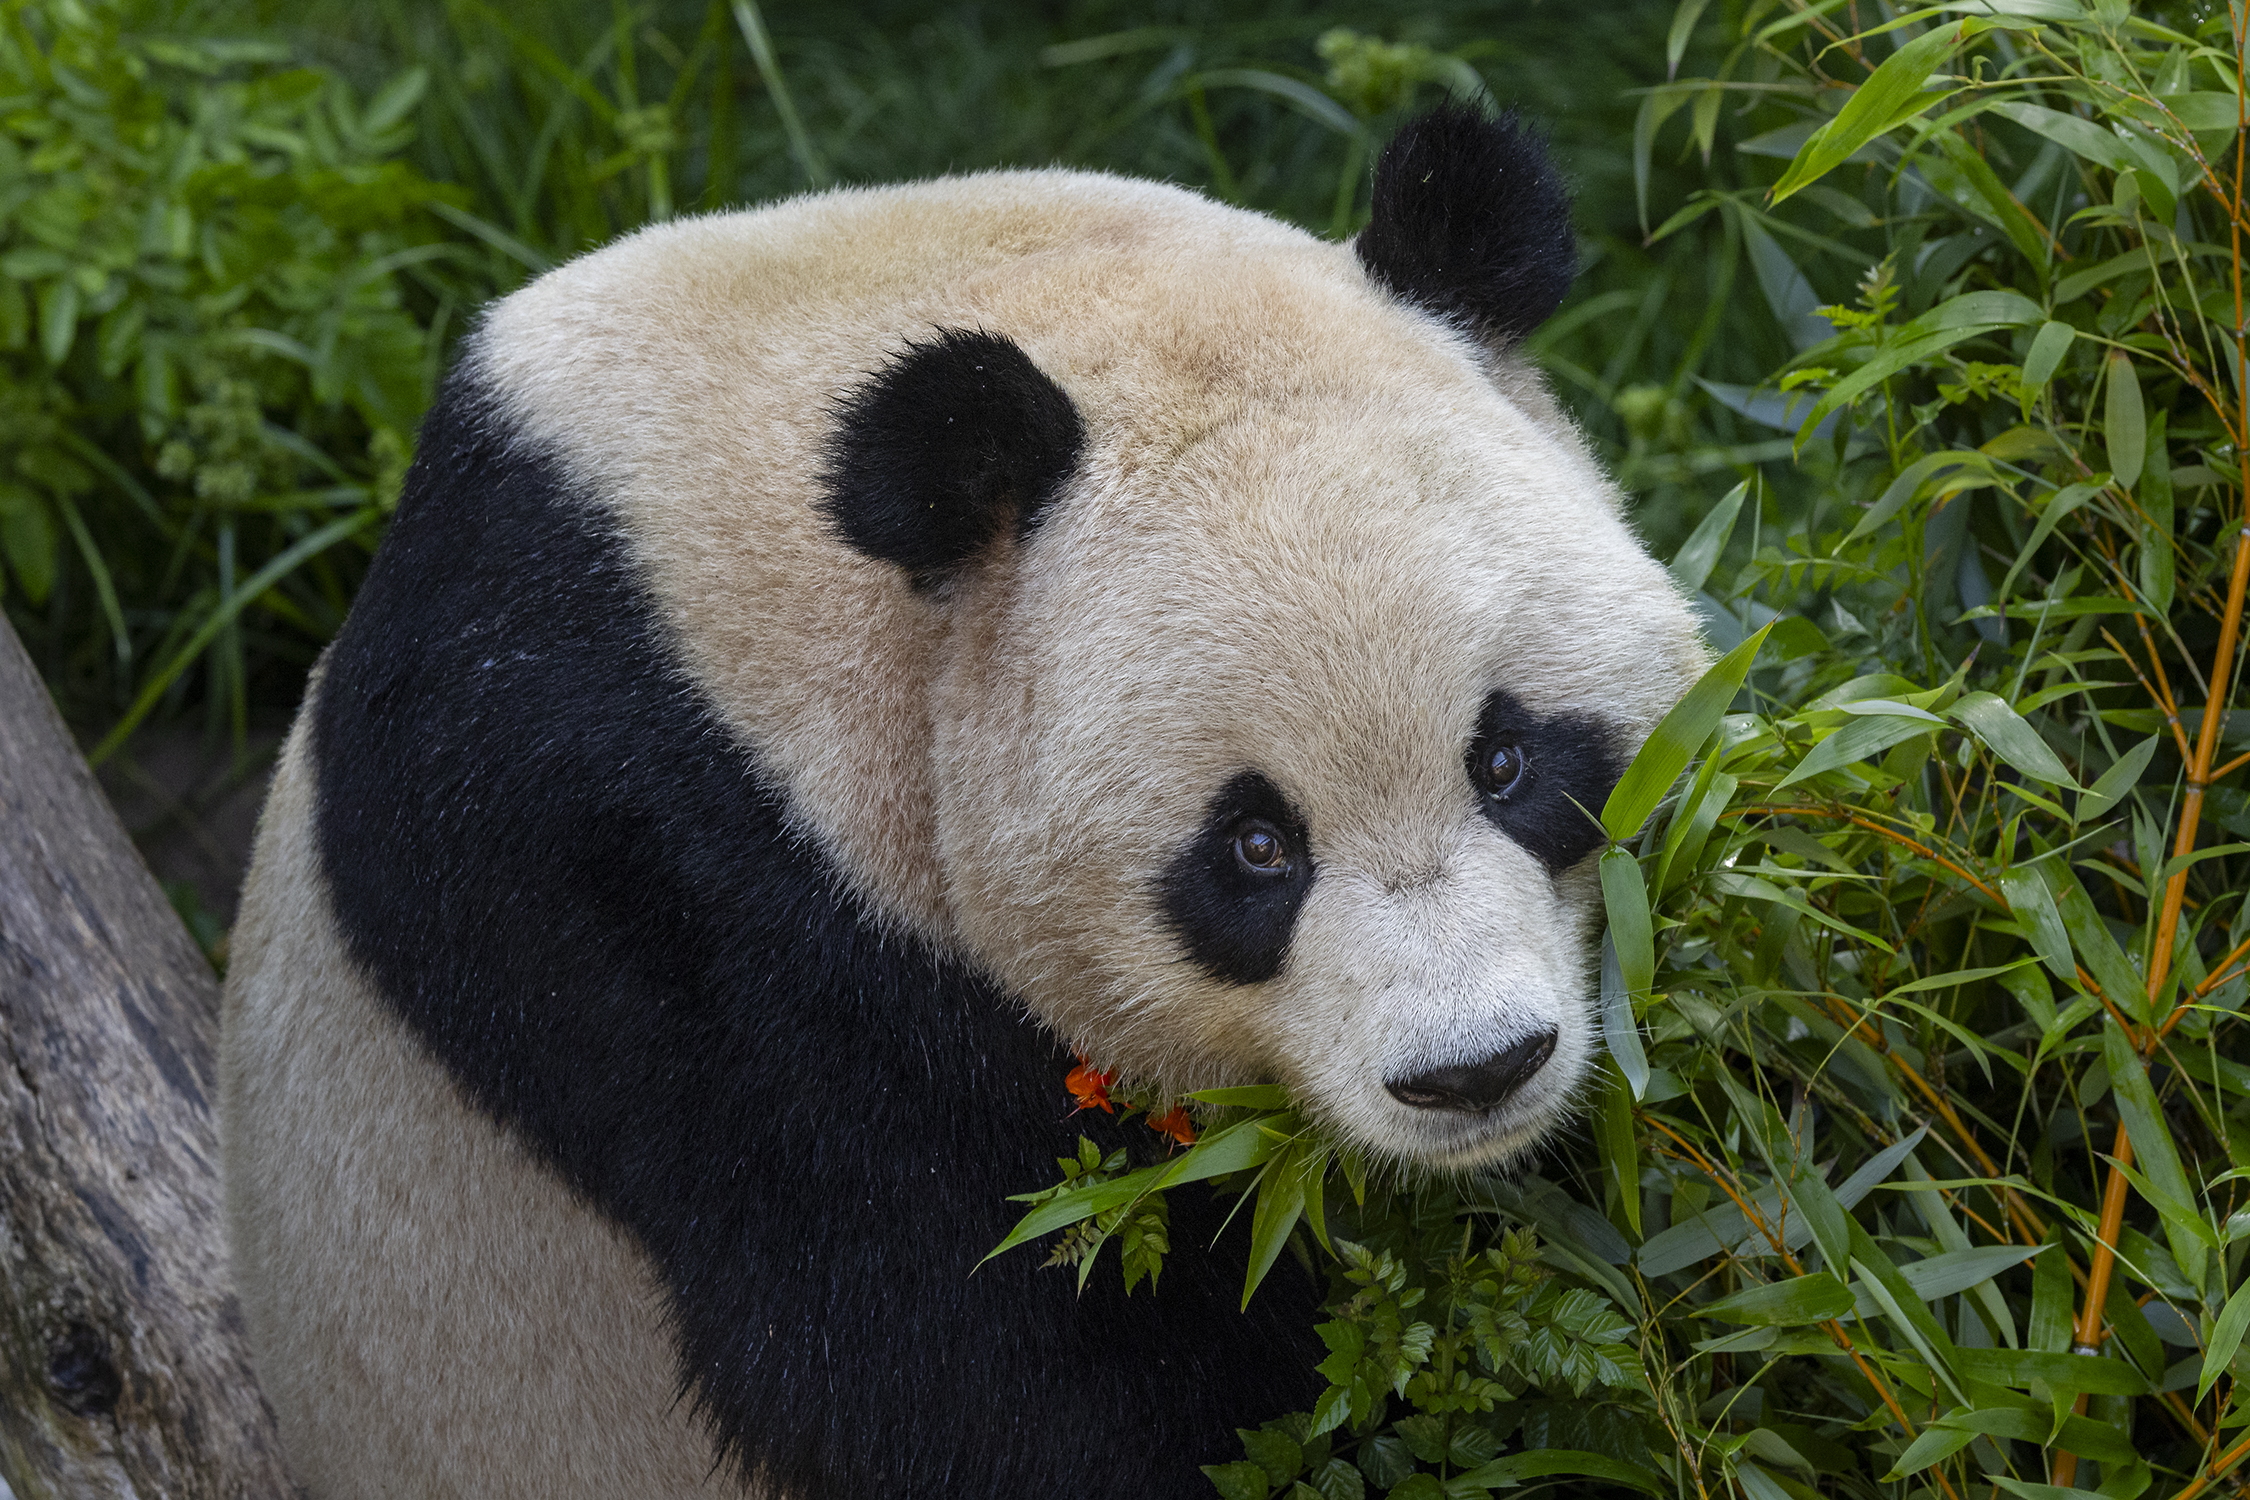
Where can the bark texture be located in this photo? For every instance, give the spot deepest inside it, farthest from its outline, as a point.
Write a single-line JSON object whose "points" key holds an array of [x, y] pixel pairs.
{"points": [[123, 1369]]}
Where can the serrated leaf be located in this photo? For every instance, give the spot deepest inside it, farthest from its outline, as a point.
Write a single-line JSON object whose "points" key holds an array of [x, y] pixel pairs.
{"points": [[1238, 1481], [1275, 1452]]}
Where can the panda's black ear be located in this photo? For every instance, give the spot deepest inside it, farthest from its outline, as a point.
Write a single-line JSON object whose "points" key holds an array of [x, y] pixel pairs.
{"points": [[957, 438], [1471, 222]]}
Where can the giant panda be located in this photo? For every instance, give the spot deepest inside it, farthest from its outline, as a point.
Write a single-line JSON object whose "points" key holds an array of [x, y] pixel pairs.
{"points": [[828, 663]]}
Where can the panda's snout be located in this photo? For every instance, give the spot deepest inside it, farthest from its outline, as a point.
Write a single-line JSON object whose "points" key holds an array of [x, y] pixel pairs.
{"points": [[1477, 1088]]}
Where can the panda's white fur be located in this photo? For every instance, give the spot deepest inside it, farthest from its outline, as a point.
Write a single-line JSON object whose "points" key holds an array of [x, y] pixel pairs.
{"points": [[1313, 529]]}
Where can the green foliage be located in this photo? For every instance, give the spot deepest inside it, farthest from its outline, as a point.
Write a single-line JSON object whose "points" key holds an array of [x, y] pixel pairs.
{"points": [[210, 354], [1917, 1155]]}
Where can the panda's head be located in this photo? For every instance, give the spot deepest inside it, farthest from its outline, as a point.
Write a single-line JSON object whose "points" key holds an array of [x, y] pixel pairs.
{"points": [[1291, 644]]}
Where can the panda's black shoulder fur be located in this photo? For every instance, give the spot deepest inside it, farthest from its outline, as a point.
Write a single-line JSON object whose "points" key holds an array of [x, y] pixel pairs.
{"points": [[1470, 220], [575, 885]]}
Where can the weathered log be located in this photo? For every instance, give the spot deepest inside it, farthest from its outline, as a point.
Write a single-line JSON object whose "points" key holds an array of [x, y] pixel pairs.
{"points": [[123, 1369]]}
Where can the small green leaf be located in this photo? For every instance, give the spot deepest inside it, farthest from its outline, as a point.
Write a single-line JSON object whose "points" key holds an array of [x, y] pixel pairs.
{"points": [[1676, 40], [2153, 1146], [2013, 740], [2048, 347], [1542, 1463], [1676, 739], [2225, 1339], [2124, 425], [1620, 1151], [1252, 1096], [1890, 97], [1621, 1033], [58, 318], [2017, 1368], [1275, 1452], [1863, 737], [1238, 1481], [1338, 1480], [1784, 1304], [1692, 564], [1281, 1203], [2111, 786]]}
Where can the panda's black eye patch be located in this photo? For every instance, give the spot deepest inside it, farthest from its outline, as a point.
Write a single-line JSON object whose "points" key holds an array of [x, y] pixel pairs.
{"points": [[1232, 892], [1542, 780]]}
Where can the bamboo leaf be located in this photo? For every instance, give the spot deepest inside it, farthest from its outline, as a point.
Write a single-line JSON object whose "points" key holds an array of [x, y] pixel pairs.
{"points": [[2153, 1146], [1676, 739], [1892, 95], [1692, 564], [2048, 347], [1281, 1202], [2013, 740], [2225, 1339], [1620, 1032], [2124, 425], [1785, 1304], [1676, 40], [1620, 1150]]}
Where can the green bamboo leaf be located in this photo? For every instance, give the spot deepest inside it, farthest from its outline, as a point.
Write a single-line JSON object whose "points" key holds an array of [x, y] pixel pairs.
{"points": [[1252, 1096], [1620, 1032], [2225, 1339], [1625, 896], [1676, 40], [1910, 480], [2153, 1147], [2013, 740], [1542, 1463], [58, 318], [1614, 1138], [1692, 564], [1677, 738], [2048, 347], [2091, 940], [1892, 95], [2078, 136], [1865, 736], [2033, 905], [2070, 1373], [1928, 1447], [2059, 505], [1784, 1304], [2124, 424], [1281, 1203]]}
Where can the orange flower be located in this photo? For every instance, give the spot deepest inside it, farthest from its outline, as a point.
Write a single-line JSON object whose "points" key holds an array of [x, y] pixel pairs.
{"points": [[1090, 1086], [1174, 1123]]}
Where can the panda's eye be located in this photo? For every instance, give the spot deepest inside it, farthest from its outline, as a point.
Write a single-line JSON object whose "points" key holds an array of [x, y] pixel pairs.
{"points": [[1500, 771], [1261, 848]]}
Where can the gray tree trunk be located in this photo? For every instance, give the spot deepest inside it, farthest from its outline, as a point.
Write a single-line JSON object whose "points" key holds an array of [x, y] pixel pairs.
{"points": [[123, 1370]]}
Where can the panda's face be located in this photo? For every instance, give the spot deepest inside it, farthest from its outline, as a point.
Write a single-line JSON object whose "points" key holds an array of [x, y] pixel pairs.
{"points": [[1278, 758]]}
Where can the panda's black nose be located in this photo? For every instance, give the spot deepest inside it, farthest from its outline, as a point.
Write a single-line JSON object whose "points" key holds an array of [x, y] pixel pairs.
{"points": [[1479, 1086]]}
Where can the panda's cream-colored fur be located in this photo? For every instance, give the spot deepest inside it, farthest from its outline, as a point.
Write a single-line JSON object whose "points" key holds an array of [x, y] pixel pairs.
{"points": [[1312, 531], [435, 1315]]}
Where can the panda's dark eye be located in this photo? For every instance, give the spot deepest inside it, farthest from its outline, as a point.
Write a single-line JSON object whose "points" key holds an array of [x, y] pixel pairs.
{"points": [[1261, 848], [1499, 772]]}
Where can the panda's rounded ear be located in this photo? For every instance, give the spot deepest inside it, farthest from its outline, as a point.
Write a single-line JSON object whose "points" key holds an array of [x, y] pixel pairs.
{"points": [[958, 438], [1471, 222]]}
